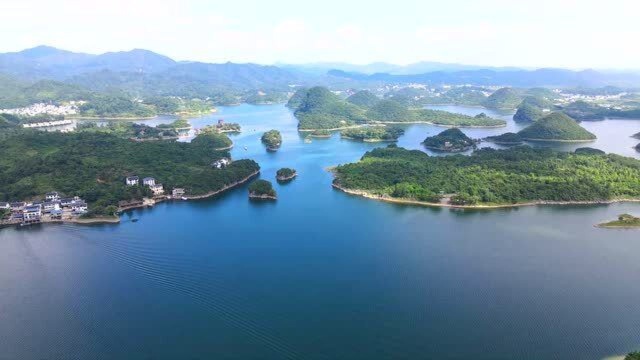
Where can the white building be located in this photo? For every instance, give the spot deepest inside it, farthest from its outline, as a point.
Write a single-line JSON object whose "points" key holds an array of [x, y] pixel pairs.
{"points": [[32, 213], [177, 192], [157, 189], [148, 181], [222, 163], [52, 196], [132, 180], [5, 205], [79, 207]]}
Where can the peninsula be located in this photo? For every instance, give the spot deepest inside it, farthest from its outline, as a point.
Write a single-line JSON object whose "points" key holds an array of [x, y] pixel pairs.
{"points": [[624, 221], [373, 133], [491, 178]]}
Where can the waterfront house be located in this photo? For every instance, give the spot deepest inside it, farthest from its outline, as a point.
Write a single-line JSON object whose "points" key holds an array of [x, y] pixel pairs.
{"points": [[52, 196], [177, 192], [157, 189], [5, 205], [56, 214], [132, 180], [49, 206], [66, 202], [149, 181], [17, 206], [32, 213], [79, 207]]}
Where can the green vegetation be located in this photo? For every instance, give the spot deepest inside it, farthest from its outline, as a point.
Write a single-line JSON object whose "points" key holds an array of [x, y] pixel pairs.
{"points": [[624, 221], [14, 94], [321, 109], [556, 127], [390, 111], [285, 174], [173, 105], [93, 165], [218, 141], [297, 98], [589, 151], [128, 130], [373, 133], [262, 189], [506, 139], [222, 128], [450, 140], [527, 113], [179, 124], [272, 139], [320, 133], [504, 98], [493, 177], [363, 98], [106, 106], [633, 356]]}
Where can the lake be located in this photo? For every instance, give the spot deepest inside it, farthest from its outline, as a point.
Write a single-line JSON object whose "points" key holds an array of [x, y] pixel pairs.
{"points": [[320, 274]]}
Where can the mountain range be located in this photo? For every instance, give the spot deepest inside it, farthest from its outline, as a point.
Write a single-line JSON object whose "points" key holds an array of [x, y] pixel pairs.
{"points": [[145, 72]]}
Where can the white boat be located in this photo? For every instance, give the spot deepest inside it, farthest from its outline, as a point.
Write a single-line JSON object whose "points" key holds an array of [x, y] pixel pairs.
{"points": [[184, 198]]}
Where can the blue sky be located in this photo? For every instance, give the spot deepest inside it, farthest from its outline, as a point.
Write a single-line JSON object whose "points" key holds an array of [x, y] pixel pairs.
{"points": [[543, 33]]}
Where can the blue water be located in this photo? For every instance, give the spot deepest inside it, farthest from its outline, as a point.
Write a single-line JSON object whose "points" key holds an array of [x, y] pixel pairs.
{"points": [[320, 274]]}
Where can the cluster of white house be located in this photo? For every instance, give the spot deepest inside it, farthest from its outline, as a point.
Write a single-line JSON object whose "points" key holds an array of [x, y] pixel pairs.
{"points": [[42, 108], [222, 163], [53, 206], [150, 182]]}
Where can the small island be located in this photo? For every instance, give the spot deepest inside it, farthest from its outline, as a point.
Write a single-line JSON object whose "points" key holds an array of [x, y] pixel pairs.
{"points": [[286, 174], [272, 139], [527, 113], [450, 140], [373, 133], [625, 221], [262, 190], [556, 126], [505, 139]]}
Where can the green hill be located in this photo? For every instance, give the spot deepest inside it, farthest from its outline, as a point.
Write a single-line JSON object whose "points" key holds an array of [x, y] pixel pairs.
{"points": [[527, 113], [589, 151], [322, 109], [556, 126], [363, 98], [296, 99], [506, 139], [504, 98], [390, 111], [450, 140]]}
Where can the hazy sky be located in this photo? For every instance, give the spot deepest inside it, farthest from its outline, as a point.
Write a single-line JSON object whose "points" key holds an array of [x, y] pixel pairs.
{"points": [[559, 33]]}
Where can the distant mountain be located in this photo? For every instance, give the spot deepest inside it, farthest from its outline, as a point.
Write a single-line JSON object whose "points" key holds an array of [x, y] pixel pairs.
{"points": [[517, 78], [139, 70], [393, 69]]}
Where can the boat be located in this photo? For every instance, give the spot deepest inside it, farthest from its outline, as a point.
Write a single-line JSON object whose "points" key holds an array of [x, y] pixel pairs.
{"points": [[134, 220], [245, 148], [184, 198]]}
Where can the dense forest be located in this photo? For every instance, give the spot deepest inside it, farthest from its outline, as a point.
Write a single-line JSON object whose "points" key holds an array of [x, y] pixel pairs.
{"points": [[262, 189], [506, 139], [373, 133], [93, 165], [517, 175]]}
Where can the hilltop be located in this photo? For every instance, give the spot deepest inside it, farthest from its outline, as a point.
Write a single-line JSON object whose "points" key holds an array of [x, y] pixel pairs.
{"points": [[504, 98], [450, 140], [363, 98], [556, 126]]}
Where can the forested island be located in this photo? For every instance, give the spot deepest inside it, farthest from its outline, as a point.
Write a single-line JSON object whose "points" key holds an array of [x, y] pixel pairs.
{"points": [[262, 190], [556, 126], [450, 140], [94, 165], [488, 178], [624, 221], [286, 174], [272, 139], [506, 139], [319, 108], [373, 133]]}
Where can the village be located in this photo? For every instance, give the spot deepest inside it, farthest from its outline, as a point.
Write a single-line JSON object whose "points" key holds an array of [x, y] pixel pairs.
{"points": [[52, 209]]}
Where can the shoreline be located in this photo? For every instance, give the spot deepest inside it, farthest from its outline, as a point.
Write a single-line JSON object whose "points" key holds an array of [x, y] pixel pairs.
{"points": [[224, 148], [286, 178], [558, 140], [369, 195], [262, 197], [442, 125]]}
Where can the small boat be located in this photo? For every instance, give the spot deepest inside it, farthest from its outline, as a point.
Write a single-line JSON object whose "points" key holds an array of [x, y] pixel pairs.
{"points": [[134, 220], [245, 148], [184, 198]]}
